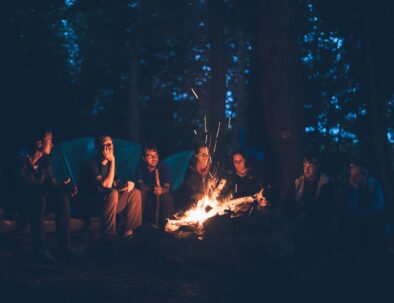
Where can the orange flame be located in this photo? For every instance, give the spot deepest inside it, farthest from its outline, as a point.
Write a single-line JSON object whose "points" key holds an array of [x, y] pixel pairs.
{"points": [[208, 207]]}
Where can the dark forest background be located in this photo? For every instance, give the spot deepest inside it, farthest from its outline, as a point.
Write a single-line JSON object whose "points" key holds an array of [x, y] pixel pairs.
{"points": [[294, 76]]}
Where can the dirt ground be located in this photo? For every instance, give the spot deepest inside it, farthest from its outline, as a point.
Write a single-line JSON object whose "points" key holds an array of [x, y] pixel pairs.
{"points": [[157, 267]]}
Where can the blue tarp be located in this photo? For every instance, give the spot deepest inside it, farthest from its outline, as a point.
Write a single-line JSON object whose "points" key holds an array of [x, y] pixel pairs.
{"points": [[69, 157]]}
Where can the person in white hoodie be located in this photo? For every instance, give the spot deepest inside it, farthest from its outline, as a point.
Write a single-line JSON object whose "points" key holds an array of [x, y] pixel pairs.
{"points": [[308, 187], [310, 196]]}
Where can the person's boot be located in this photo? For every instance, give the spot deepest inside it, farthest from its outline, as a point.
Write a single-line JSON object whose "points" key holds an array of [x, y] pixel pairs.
{"points": [[128, 234]]}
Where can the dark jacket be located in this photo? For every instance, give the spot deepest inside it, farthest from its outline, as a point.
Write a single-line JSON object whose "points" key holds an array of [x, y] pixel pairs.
{"points": [[244, 186], [194, 185], [37, 179]]}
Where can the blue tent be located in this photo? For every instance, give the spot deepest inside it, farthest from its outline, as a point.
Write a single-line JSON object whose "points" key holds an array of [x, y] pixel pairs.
{"points": [[68, 158]]}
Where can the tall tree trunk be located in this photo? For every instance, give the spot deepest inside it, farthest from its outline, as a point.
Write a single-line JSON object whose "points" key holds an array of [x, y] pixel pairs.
{"points": [[216, 106], [282, 107], [134, 123], [239, 94], [374, 94], [134, 107]]}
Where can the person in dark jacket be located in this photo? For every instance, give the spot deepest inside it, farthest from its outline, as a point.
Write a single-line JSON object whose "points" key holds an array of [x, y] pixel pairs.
{"points": [[153, 179], [365, 221], [38, 192], [244, 180], [195, 182], [103, 194]]}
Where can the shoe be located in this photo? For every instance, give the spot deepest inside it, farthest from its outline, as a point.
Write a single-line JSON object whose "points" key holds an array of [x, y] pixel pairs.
{"points": [[128, 234]]}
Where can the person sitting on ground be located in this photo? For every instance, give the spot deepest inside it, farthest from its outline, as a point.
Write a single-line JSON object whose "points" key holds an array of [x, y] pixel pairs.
{"points": [[308, 187], [195, 182], [243, 180], [37, 192], [310, 195], [365, 221], [101, 193], [153, 179]]}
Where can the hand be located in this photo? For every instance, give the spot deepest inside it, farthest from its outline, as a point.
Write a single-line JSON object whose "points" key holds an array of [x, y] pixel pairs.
{"points": [[130, 186], [158, 190], [74, 191], [108, 154], [120, 186], [69, 188]]}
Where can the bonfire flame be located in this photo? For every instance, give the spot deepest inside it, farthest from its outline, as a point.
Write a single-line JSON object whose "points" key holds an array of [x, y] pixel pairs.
{"points": [[209, 206]]}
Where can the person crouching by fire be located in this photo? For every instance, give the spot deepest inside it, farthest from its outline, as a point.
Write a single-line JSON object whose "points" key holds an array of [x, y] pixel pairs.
{"points": [[196, 179], [153, 180]]}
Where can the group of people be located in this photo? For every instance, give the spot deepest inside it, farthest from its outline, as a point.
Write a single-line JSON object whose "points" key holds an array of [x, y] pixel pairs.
{"points": [[99, 193], [123, 205], [351, 209]]}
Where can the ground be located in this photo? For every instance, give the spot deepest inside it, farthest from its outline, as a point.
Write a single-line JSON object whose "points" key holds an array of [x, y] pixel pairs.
{"points": [[157, 267]]}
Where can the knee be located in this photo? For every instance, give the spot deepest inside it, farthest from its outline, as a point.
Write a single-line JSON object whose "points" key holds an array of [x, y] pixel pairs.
{"points": [[136, 194]]}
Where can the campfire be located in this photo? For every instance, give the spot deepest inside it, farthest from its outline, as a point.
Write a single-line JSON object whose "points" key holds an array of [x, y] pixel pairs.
{"points": [[209, 206]]}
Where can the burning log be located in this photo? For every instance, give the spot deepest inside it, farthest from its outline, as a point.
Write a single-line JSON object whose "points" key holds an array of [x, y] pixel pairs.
{"points": [[209, 206], [216, 192]]}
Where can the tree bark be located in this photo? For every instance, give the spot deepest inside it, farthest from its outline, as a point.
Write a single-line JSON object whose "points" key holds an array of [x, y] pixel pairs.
{"points": [[216, 104], [283, 121], [373, 92], [134, 124], [241, 101]]}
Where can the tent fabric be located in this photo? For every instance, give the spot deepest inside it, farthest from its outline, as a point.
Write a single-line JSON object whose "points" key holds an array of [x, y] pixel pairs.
{"points": [[178, 164], [68, 158]]}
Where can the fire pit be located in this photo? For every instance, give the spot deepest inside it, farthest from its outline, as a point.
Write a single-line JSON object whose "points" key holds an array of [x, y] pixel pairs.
{"points": [[210, 206]]}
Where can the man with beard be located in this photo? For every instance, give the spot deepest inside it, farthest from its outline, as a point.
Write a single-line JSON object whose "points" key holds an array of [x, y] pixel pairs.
{"points": [[153, 179]]}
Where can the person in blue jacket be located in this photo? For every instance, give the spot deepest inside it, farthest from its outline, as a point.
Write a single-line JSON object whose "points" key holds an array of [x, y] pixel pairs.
{"points": [[364, 203]]}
